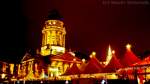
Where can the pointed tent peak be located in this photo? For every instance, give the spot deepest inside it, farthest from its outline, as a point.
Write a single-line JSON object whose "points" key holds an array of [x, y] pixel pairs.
{"points": [[109, 46], [109, 55], [54, 15], [73, 70], [109, 49], [128, 46], [129, 57], [113, 65], [93, 54], [93, 64], [109, 52]]}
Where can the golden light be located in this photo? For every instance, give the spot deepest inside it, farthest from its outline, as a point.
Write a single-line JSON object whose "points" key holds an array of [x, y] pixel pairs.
{"points": [[53, 69], [43, 74], [11, 68], [45, 47], [91, 56], [128, 46], [50, 33], [58, 49], [74, 59], [36, 65], [19, 69], [83, 60], [3, 76], [113, 51], [93, 53], [54, 22], [109, 55]]}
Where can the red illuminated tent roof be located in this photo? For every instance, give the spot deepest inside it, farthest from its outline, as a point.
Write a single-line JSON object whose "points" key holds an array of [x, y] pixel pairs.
{"points": [[113, 65], [146, 61], [93, 66], [74, 70], [129, 58], [67, 57]]}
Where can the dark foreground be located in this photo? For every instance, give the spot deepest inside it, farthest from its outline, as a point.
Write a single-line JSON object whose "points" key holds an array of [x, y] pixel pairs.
{"points": [[81, 81]]}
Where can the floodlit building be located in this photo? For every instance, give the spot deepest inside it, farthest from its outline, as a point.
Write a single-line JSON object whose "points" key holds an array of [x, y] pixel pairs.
{"points": [[5, 68], [51, 60], [53, 36]]}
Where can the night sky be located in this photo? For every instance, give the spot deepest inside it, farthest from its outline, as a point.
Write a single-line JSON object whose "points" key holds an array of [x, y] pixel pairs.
{"points": [[91, 25]]}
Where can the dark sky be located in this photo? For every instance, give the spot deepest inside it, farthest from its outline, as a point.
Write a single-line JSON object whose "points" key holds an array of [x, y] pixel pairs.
{"points": [[90, 24]]}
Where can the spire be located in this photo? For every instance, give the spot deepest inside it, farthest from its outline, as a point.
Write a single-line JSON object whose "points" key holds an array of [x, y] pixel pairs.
{"points": [[109, 55], [54, 15]]}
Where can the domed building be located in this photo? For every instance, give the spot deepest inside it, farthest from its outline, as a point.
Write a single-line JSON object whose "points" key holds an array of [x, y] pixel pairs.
{"points": [[53, 35], [52, 59]]}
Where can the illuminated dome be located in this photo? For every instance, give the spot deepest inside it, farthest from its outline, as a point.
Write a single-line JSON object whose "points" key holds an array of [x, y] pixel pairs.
{"points": [[53, 35]]}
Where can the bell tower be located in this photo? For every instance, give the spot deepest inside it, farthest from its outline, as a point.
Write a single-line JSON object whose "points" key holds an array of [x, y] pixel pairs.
{"points": [[53, 35]]}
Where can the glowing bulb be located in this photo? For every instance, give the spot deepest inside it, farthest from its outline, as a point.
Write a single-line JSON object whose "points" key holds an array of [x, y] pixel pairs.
{"points": [[83, 60], [91, 56], [3, 76], [54, 22], [128, 46], [113, 52], [93, 53], [103, 82], [41, 81], [74, 59], [50, 23], [66, 82]]}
